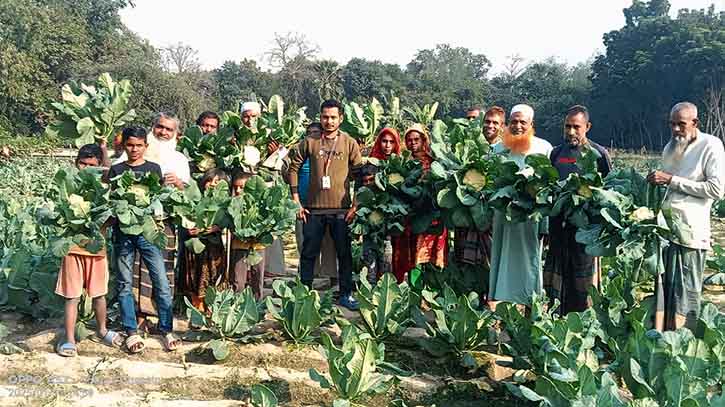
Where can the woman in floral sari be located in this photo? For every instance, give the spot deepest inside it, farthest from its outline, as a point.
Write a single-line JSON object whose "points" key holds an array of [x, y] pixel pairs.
{"points": [[411, 249]]}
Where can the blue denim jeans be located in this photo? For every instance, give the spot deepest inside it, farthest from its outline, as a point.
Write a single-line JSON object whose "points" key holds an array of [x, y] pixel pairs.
{"points": [[313, 232], [124, 247]]}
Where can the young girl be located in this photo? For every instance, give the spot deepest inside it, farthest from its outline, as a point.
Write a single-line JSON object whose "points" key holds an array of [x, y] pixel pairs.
{"points": [[205, 268], [242, 272], [80, 270]]}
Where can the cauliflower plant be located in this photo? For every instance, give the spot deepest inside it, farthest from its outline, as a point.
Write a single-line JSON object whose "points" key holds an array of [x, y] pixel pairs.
{"points": [[474, 179]]}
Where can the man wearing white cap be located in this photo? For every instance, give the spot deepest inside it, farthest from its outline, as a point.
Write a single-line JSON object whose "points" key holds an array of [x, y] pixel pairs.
{"points": [[516, 247], [250, 113], [274, 263]]}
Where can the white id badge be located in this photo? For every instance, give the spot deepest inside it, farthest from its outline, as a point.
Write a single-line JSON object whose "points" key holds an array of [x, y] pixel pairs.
{"points": [[326, 182]]}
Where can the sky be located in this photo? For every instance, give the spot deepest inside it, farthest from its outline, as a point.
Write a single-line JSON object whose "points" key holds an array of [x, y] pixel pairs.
{"points": [[389, 31]]}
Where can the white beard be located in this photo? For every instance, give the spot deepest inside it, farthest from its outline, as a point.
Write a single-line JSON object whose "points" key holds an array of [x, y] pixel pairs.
{"points": [[675, 150], [160, 151]]}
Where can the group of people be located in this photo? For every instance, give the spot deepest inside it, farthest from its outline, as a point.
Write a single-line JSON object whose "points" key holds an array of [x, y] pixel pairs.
{"points": [[321, 171]]}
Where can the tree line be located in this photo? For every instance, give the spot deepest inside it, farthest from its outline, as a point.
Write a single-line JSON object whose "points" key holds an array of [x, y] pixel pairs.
{"points": [[649, 64]]}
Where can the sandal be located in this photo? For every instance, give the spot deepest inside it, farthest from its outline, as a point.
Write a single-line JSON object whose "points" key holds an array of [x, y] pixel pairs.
{"points": [[135, 343], [112, 339], [171, 342], [66, 349]]}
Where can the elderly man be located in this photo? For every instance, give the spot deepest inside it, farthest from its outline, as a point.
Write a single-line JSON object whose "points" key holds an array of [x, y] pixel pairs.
{"points": [[516, 247], [250, 113], [569, 271], [693, 172]]}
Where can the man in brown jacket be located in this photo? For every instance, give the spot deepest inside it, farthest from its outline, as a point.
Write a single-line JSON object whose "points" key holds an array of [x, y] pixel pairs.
{"points": [[333, 156]]}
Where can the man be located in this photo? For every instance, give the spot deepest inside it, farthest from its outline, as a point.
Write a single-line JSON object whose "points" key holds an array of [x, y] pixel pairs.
{"points": [[494, 122], [332, 158], [516, 247], [208, 121], [473, 112], [126, 246], [473, 246], [250, 113], [693, 173], [569, 271], [326, 266]]}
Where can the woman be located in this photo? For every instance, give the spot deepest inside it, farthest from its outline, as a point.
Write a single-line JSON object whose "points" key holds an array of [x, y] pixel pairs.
{"points": [[204, 269], [410, 249], [387, 143]]}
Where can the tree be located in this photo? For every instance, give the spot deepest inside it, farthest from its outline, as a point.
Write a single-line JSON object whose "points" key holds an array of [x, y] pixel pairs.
{"points": [[329, 82], [236, 82], [181, 59], [653, 62], [363, 80], [454, 77], [550, 87], [290, 47]]}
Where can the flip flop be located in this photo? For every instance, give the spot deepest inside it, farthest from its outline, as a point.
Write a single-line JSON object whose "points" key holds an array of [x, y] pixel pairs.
{"points": [[112, 339], [66, 349], [134, 340], [171, 342]]}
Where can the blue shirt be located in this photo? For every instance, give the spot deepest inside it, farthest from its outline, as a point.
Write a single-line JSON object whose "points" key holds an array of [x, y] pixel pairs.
{"points": [[303, 181]]}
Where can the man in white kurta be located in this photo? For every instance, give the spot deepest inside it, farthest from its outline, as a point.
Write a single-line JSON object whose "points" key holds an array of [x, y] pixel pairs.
{"points": [[516, 267], [694, 171]]}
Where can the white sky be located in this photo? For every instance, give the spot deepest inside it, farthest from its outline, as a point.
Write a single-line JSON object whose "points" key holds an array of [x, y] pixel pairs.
{"points": [[390, 31]]}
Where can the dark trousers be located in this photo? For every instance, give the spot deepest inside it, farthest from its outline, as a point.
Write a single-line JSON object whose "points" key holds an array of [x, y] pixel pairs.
{"points": [[313, 232]]}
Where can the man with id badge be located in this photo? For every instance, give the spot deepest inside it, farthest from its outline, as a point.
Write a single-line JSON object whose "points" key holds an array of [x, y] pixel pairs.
{"points": [[332, 157]]}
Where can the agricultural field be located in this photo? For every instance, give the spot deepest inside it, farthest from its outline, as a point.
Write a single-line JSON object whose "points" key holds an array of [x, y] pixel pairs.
{"points": [[33, 374]]}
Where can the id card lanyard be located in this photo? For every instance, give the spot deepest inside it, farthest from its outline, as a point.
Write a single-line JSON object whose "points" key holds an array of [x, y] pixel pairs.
{"points": [[326, 181]]}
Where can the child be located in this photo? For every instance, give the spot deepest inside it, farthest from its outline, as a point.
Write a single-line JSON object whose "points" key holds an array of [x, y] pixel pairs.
{"points": [[80, 270], [205, 268], [125, 246], [242, 272], [372, 257]]}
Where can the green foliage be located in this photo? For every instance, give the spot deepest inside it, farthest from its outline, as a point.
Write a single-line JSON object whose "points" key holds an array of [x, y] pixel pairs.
{"points": [[262, 396], [385, 309], [262, 212], [574, 194], [717, 263], [562, 353], [286, 128], [77, 211], [353, 368], [298, 309], [208, 151], [91, 114], [460, 277], [137, 204], [363, 122], [231, 316], [464, 174], [627, 222], [651, 63], [459, 327], [423, 115], [525, 193], [209, 210]]}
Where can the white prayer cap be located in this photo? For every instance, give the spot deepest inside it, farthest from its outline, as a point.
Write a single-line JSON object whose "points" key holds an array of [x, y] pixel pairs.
{"points": [[526, 110], [253, 106]]}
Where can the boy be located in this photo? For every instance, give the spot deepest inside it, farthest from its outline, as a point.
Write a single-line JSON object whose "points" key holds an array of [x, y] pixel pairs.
{"points": [[81, 269], [135, 144]]}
